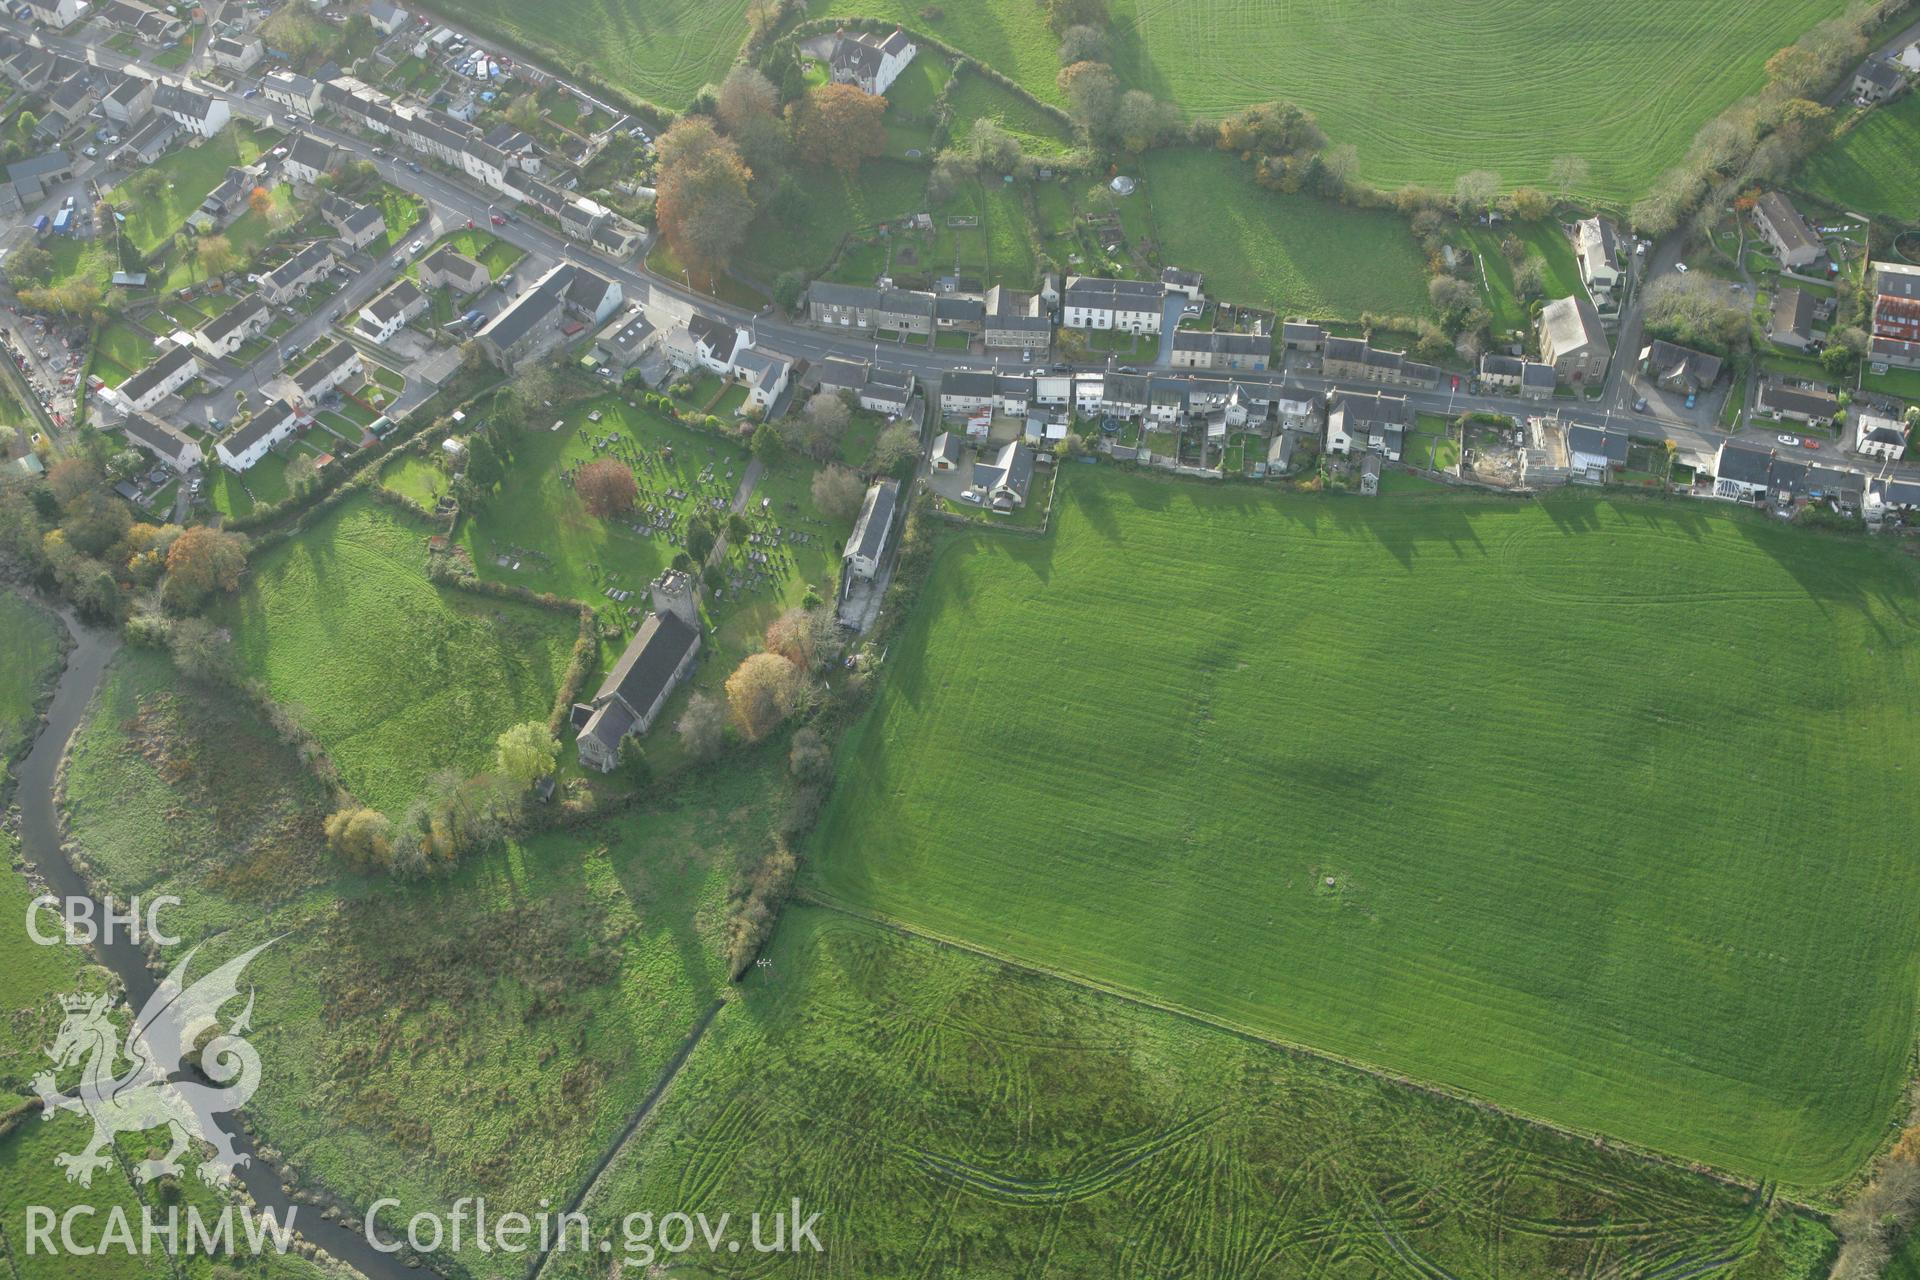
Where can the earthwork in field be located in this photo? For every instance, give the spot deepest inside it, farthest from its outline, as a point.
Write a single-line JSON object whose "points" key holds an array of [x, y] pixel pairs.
{"points": [[1516, 799]]}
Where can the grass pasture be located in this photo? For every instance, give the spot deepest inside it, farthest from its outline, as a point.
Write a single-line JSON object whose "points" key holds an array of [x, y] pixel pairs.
{"points": [[1299, 254], [934, 1105], [396, 677], [829, 208], [1561, 274], [1625, 86], [1361, 802], [663, 51], [1871, 170], [31, 640], [977, 98], [497, 1052]]}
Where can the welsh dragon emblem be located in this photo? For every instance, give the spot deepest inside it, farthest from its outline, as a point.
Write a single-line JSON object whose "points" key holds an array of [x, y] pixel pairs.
{"points": [[147, 1096]]}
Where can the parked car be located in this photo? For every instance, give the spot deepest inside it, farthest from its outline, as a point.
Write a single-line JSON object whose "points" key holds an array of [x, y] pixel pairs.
{"points": [[1788, 439], [416, 246], [1640, 405], [1681, 267], [250, 93], [497, 220], [414, 165], [1690, 399], [1811, 443]]}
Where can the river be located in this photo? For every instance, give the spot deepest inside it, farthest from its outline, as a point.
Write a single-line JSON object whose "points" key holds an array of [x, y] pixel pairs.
{"points": [[40, 844]]}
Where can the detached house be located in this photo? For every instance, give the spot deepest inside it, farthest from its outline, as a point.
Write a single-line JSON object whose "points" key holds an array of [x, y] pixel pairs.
{"points": [[172, 370], [129, 101], [449, 269], [1790, 404], [236, 53], [1790, 323], [766, 374], [1678, 368], [1572, 341], [1878, 81], [306, 159], [1793, 241], [359, 225], [1878, 436], [56, 13], [868, 60], [1003, 483], [655, 663], [1370, 421]]}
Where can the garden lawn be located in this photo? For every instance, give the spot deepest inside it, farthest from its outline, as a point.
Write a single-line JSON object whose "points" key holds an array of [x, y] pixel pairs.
{"points": [[931, 1103], [191, 173], [1640, 891], [1560, 275], [1625, 86], [120, 351], [452, 669], [1871, 169], [1904, 383], [1297, 254]]}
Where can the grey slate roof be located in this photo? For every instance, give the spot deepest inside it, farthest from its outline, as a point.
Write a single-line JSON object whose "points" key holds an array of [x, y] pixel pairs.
{"points": [[876, 518]]}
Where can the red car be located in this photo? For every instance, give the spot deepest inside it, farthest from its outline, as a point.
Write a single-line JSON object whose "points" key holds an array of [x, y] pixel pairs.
{"points": [[497, 220], [1811, 443]]}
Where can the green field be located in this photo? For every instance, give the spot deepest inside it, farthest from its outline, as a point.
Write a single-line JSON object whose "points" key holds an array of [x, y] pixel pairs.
{"points": [[1298, 254], [932, 1106], [396, 677], [1491, 795], [31, 640], [663, 51], [977, 97], [828, 209], [497, 1052], [1546, 240], [1871, 170]]}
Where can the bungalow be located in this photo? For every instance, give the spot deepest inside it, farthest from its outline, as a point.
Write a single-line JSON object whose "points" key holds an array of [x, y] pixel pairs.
{"points": [[655, 663], [867, 545], [1373, 421], [292, 278], [1186, 283], [359, 225], [447, 268], [1593, 452], [1878, 436], [226, 202], [621, 343], [1129, 306], [246, 445], [1572, 341], [868, 60], [1678, 368], [1790, 324], [1003, 483], [163, 441], [1740, 472], [334, 366], [172, 370], [390, 312], [236, 53], [1598, 253], [1198, 349], [227, 332], [947, 451], [198, 113], [149, 142], [1789, 404], [1793, 241]]}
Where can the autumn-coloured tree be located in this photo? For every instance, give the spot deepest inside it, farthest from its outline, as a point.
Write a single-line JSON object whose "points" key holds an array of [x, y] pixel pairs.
{"points": [[804, 637], [1093, 91], [703, 203], [363, 838], [606, 487], [762, 691], [216, 255], [840, 125], [744, 95], [199, 562], [702, 726], [838, 492]]}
